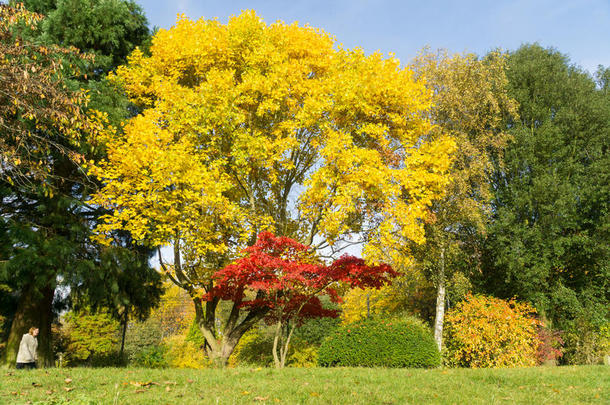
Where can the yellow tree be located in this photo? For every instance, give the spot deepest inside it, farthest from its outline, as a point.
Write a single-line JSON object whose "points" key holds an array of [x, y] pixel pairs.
{"points": [[471, 104], [248, 127]]}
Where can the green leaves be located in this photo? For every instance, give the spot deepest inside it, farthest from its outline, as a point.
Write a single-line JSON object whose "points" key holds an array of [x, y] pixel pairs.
{"points": [[402, 342], [549, 242]]}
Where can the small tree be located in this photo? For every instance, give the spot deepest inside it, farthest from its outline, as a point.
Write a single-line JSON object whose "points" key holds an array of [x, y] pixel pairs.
{"points": [[282, 278]]}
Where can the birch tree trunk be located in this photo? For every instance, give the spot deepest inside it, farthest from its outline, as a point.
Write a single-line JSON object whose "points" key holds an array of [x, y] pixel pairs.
{"points": [[440, 302]]}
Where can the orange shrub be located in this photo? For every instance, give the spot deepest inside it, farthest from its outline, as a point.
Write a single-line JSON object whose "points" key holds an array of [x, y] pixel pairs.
{"points": [[489, 332]]}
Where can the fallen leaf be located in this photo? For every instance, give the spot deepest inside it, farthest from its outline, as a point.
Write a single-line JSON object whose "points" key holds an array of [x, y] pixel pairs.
{"points": [[314, 394], [68, 389], [170, 382], [143, 384], [276, 400], [140, 391], [245, 392], [167, 388], [261, 398], [189, 381], [49, 392], [68, 380], [35, 384]]}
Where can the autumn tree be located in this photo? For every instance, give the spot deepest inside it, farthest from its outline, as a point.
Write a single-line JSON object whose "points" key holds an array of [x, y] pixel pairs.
{"points": [[471, 103], [38, 113], [43, 123], [282, 279], [247, 127]]}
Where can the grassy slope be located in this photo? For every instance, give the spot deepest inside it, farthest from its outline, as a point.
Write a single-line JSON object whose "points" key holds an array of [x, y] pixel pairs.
{"points": [[551, 385]]}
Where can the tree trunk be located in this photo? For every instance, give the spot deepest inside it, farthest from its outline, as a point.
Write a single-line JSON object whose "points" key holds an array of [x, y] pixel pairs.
{"points": [[286, 347], [219, 350], [276, 342], [124, 321], [35, 308], [440, 302]]}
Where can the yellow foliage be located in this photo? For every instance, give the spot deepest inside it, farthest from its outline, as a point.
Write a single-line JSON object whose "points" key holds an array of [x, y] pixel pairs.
{"points": [[248, 126], [360, 302], [471, 103], [183, 354], [489, 332], [175, 312]]}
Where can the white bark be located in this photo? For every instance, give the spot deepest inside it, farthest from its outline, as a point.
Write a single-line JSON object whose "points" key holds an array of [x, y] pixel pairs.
{"points": [[440, 303]]}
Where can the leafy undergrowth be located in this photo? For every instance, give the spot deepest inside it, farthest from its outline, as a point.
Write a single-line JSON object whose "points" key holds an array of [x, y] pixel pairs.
{"points": [[551, 385]]}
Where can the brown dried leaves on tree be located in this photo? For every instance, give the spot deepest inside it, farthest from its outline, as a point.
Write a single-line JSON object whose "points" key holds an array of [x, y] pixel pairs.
{"points": [[39, 115]]}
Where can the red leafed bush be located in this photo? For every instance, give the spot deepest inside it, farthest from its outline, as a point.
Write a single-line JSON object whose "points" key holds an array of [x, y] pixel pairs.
{"points": [[551, 345]]}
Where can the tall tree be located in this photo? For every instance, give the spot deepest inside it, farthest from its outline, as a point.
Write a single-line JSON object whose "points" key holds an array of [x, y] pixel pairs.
{"points": [[550, 239], [42, 126], [49, 222], [471, 104], [249, 127]]}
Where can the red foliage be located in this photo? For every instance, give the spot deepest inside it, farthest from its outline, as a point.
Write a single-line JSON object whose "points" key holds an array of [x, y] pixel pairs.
{"points": [[284, 278], [551, 345]]}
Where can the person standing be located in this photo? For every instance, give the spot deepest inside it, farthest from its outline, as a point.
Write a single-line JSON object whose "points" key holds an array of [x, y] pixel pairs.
{"points": [[27, 356]]}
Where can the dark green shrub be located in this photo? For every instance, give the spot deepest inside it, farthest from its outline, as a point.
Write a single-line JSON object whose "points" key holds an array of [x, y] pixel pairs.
{"points": [[150, 357], [141, 336], [313, 331], [112, 359], [381, 343]]}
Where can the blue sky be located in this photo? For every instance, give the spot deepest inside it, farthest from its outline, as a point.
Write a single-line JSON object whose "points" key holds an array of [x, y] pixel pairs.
{"points": [[578, 28]]}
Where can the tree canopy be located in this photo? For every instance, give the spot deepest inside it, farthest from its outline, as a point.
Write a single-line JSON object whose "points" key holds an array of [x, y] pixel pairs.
{"points": [[38, 113], [549, 241], [247, 127]]}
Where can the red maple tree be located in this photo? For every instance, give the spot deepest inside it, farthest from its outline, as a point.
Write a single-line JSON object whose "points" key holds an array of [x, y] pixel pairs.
{"points": [[285, 279]]}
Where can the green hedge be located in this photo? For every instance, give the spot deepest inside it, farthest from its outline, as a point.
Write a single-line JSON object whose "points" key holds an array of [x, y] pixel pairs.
{"points": [[381, 343]]}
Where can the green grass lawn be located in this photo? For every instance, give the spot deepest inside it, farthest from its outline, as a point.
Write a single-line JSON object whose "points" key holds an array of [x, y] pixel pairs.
{"points": [[550, 385]]}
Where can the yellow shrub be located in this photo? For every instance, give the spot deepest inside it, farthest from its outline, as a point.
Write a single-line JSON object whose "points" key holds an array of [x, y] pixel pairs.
{"points": [[183, 354], [489, 332], [303, 356]]}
